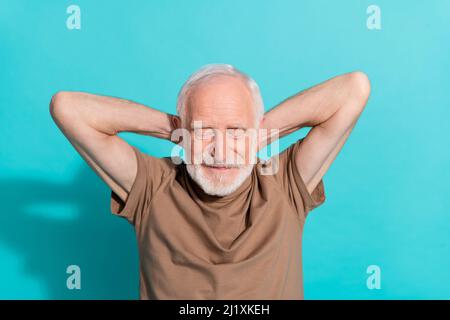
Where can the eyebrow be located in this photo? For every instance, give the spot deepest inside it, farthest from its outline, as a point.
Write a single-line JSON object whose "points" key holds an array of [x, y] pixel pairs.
{"points": [[232, 126]]}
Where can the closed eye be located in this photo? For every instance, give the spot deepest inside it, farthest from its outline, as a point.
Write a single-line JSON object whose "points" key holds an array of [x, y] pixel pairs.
{"points": [[203, 133], [236, 133]]}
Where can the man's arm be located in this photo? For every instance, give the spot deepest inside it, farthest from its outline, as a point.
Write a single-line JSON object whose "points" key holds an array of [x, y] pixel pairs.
{"points": [[331, 108], [91, 123]]}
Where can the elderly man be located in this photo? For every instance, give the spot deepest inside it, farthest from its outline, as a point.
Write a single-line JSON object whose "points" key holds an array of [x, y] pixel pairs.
{"points": [[221, 223]]}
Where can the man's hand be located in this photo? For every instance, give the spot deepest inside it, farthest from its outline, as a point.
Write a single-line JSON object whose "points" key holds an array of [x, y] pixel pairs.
{"points": [[91, 123], [331, 108]]}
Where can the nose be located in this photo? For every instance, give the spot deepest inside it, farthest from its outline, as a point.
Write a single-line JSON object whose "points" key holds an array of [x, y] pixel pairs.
{"points": [[219, 148]]}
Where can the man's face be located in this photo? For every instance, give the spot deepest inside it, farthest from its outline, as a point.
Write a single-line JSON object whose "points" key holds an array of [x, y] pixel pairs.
{"points": [[221, 119]]}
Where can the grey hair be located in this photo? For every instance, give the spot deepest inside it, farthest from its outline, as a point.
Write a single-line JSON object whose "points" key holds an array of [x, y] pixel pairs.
{"points": [[210, 70]]}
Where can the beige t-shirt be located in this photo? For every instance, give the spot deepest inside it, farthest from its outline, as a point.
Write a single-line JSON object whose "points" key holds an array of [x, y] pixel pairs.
{"points": [[246, 245]]}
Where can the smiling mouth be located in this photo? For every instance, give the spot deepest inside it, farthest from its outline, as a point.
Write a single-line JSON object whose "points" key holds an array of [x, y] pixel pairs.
{"points": [[219, 168]]}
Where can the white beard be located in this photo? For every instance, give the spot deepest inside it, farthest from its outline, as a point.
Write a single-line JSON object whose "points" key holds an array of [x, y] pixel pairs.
{"points": [[216, 186]]}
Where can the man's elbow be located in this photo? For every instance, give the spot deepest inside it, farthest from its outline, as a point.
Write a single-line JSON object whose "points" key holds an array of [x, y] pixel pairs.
{"points": [[60, 105], [360, 85]]}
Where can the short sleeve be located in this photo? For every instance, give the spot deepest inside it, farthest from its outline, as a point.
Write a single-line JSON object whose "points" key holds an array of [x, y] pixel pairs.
{"points": [[148, 178], [293, 184]]}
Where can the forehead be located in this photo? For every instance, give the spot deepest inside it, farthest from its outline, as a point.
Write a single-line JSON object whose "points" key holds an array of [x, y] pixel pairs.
{"points": [[221, 101]]}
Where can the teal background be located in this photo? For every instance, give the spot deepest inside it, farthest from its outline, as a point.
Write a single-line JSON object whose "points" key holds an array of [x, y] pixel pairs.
{"points": [[387, 192]]}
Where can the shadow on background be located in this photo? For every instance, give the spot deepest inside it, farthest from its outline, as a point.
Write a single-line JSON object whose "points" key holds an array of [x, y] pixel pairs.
{"points": [[35, 225]]}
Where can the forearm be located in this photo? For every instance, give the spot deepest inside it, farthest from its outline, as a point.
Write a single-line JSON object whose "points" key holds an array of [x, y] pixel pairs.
{"points": [[109, 115], [317, 105]]}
